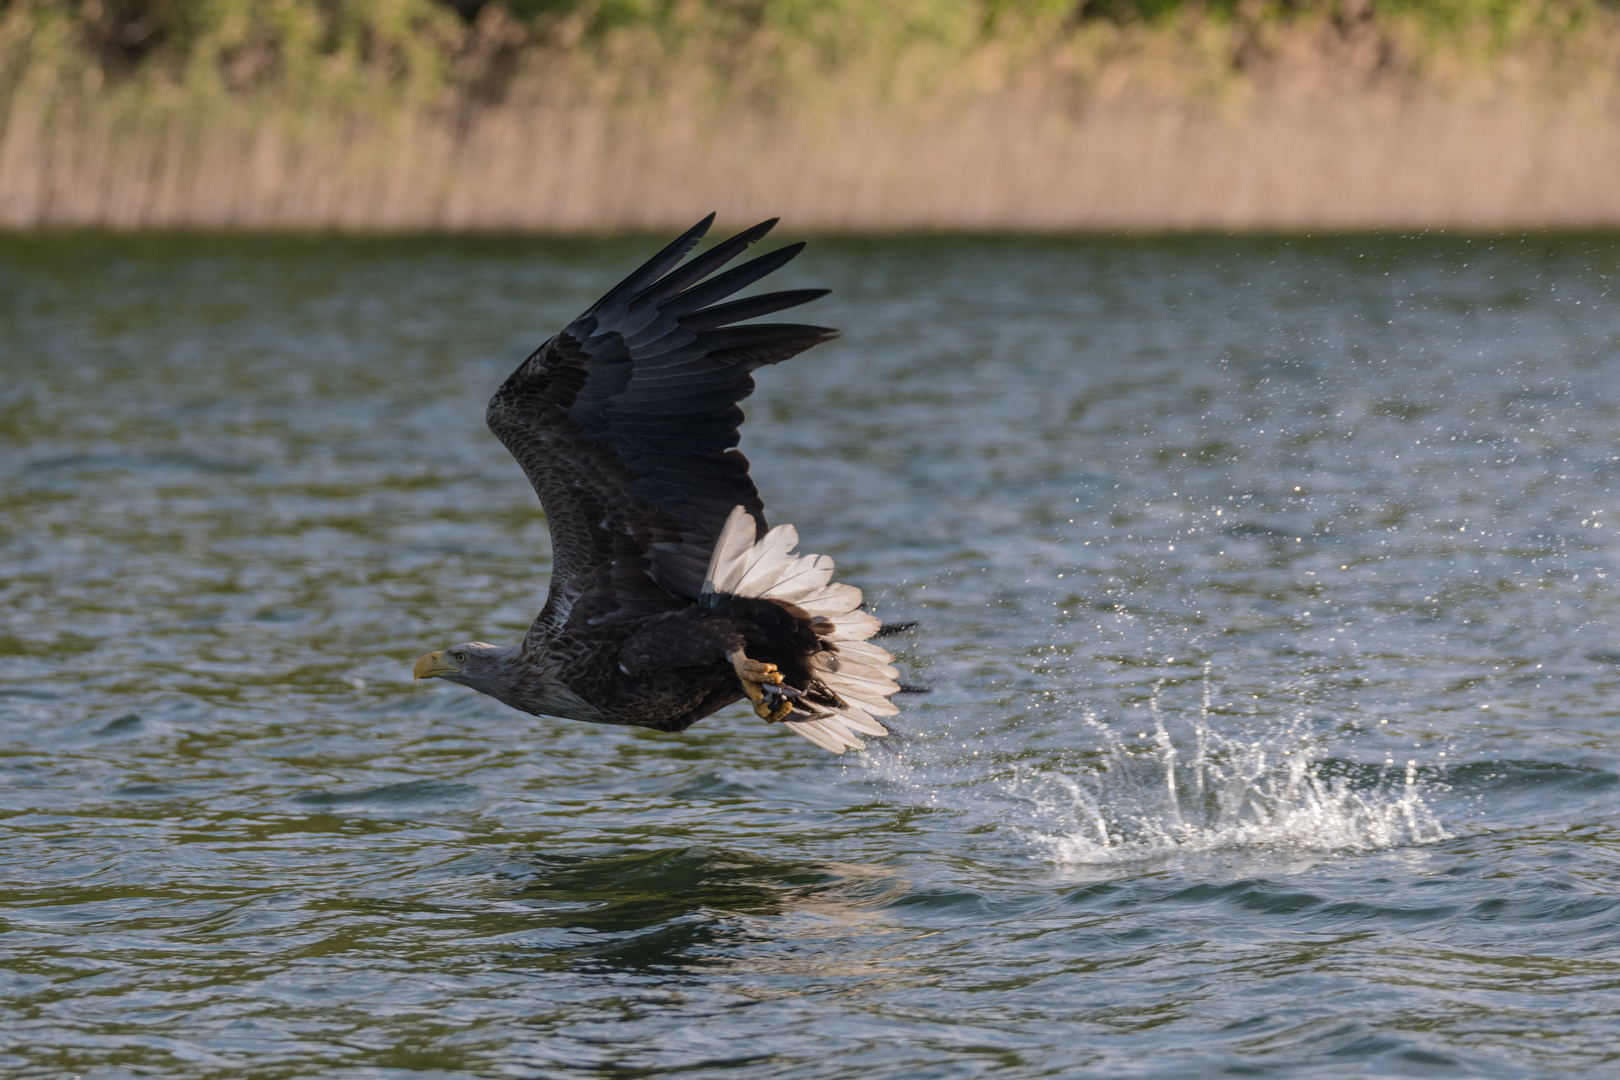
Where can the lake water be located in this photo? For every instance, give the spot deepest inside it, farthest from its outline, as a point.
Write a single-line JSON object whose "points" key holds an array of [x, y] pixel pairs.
{"points": [[1268, 590]]}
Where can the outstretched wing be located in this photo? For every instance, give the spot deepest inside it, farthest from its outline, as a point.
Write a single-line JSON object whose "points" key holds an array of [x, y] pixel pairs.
{"points": [[626, 424]]}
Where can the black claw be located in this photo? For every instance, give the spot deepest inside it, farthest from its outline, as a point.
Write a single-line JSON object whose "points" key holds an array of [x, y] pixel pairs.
{"points": [[782, 690]]}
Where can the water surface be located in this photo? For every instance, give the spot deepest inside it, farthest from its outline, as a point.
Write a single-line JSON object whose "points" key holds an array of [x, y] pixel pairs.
{"points": [[1267, 592]]}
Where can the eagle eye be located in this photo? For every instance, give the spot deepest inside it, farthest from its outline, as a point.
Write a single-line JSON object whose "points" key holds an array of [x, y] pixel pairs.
{"points": [[461, 657]]}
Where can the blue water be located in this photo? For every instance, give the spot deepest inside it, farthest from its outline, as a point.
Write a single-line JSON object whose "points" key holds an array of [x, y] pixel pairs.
{"points": [[1267, 592]]}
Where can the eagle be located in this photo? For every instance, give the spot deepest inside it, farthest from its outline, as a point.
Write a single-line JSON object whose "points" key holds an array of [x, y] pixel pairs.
{"points": [[670, 596]]}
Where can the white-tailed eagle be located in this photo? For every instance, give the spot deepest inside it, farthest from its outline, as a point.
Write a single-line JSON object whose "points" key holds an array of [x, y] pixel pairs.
{"points": [[670, 597]]}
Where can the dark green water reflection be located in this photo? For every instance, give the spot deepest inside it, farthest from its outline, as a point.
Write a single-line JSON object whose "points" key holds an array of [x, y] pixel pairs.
{"points": [[1268, 592]]}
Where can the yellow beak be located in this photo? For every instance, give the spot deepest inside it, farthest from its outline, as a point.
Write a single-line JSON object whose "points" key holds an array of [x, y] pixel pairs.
{"points": [[433, 665]]}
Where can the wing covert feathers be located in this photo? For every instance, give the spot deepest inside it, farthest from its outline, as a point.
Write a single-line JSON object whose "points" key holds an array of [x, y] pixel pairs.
{"points": [[859, 674]]}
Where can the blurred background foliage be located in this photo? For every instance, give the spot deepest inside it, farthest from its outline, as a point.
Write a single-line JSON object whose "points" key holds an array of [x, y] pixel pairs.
{"points": [[318, 48], [848, 113]]}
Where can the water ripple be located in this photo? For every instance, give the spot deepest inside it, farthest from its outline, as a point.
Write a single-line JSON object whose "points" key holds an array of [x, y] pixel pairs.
{"points": [[1266, 598]]}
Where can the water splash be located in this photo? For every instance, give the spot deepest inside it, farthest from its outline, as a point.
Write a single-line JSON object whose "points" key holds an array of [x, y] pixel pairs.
{"points": [[1138, 800]]}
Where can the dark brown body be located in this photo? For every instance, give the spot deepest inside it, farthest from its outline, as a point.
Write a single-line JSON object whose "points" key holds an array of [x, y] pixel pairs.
{"points": [[684, 655]]}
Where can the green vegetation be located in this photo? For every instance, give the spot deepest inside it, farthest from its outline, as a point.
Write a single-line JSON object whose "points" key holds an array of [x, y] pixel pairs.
{"points": [[578, 114], [326, 50]]}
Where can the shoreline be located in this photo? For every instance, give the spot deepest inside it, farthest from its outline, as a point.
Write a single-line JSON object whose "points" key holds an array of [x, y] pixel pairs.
{"points": [[1173, 131]]}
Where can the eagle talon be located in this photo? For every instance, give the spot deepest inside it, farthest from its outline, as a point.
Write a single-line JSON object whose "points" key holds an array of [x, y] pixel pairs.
{"points": [[782, 690], [776, 702], [762, 682], [757, 671]]}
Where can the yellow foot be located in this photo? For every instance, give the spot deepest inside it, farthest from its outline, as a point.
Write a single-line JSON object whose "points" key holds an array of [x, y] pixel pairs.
{"points": [[755, 676]]}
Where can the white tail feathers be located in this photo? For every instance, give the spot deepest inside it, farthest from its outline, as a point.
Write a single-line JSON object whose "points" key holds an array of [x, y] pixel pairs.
{"points": [[860, 673]]}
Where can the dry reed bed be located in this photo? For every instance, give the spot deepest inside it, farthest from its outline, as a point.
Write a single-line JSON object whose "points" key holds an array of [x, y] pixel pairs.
{"points": [[1297, 147]]}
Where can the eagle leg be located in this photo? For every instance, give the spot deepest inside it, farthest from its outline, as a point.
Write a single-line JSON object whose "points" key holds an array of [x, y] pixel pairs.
{"points": [[762, 683]]}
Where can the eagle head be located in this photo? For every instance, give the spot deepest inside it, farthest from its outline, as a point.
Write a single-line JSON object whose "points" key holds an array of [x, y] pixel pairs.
{"points": [[474, 664]]}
